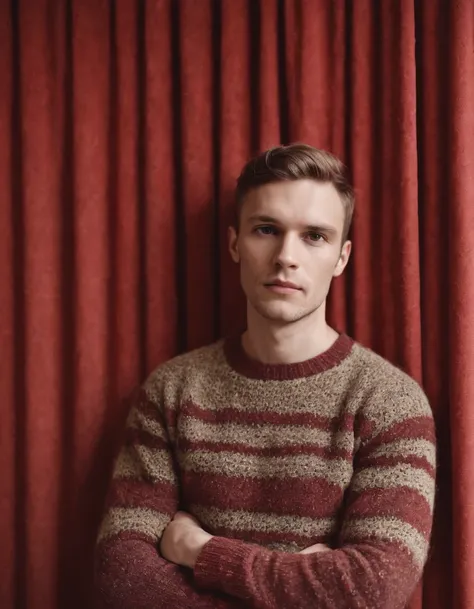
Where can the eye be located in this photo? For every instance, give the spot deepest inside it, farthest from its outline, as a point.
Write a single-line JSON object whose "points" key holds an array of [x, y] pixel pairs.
{"points": [[315, 237], [265, 230]]}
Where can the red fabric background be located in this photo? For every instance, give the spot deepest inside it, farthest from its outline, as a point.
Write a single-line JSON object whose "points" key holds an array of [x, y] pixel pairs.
{"points": [[123, 126]]}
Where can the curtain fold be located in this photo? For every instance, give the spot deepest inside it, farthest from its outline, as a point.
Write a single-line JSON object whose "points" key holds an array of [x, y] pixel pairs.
{"points": [[123, 126], [461, 290]]}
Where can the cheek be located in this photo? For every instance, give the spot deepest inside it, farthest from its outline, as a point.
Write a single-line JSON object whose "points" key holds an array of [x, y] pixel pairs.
{"points": [[247, 267], [322, 268], [255, 256]]}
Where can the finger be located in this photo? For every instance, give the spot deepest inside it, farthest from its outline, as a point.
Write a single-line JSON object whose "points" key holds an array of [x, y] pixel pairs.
{"points": [[180, 515], [317, 547], [185, 517]]}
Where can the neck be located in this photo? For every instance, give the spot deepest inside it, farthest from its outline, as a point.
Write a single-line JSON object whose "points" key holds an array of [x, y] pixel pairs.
{"points": [[288, 343]]}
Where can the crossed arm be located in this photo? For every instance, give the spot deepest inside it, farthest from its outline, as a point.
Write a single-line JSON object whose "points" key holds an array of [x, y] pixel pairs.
{"points": [[378, 561], [184, 539]]}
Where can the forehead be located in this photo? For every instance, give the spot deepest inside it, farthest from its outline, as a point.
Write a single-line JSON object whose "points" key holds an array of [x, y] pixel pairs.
{"points": [[302, 202]]}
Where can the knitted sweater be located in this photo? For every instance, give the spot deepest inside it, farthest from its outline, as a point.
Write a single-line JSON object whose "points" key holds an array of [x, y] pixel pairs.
{"points": [[339, 449]]}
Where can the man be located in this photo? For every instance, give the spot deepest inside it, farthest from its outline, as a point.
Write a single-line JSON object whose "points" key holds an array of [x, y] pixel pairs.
{"points": [[287, 467]]}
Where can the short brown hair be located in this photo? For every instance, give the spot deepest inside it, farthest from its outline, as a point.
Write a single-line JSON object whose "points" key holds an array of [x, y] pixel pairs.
{"points": [[296, 162]]}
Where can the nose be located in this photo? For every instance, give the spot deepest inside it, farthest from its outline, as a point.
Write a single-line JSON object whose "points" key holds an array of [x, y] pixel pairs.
{"points": [[286, 254]]}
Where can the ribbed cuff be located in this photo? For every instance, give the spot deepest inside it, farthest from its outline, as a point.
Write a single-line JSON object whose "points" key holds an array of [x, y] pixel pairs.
{"points": [[223, 564]]}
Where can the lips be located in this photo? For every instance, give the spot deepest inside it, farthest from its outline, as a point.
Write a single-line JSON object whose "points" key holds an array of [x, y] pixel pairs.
{"points": [[283, 284], [282, 287]]}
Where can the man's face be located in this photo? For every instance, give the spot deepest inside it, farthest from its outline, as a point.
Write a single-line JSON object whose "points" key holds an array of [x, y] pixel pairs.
{"points": [[289, 247]]}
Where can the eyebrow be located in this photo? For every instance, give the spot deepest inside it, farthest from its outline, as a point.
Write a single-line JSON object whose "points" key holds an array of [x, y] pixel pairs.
{"points": [[320, 227]]}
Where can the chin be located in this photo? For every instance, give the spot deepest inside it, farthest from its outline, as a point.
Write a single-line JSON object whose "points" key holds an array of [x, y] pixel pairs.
{"points": [[279, 312]]}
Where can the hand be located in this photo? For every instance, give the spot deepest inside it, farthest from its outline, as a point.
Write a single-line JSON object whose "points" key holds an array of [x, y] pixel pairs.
{"points": [[183, 540], [317, 547]]}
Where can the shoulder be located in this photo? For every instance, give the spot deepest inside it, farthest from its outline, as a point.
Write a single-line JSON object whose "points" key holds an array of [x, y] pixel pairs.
{"points": [[380, 376], [176, 371], [388, 394]]}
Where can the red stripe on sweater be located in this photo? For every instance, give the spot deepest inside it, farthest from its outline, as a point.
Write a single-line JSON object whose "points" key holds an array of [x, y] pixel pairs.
{"points": [[160, 496], [145, 406], [127, 536], [262, 538], [264, 417], [408, 459], [420, 428], [404, 503], [277, 451], [314, 498], [144, 438]]}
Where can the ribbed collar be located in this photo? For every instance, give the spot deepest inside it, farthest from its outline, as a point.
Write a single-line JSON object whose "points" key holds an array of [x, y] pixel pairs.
{"points": [[245, 365]]}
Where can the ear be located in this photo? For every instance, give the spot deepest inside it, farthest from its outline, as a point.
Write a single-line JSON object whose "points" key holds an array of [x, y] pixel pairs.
{"points": [[343, 259], [233, 239]]}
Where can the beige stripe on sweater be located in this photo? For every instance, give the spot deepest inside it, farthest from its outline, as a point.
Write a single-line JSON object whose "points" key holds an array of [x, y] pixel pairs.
{"points": [[139, 421], [397, 476], [140, 520], [261, 436], [143, 462], [336, 471], [243, 520], [418, 447], [391, 529], [281, 397]]}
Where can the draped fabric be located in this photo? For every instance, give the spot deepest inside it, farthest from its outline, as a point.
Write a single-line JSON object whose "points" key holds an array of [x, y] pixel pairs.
{"points": [[123, 126]]}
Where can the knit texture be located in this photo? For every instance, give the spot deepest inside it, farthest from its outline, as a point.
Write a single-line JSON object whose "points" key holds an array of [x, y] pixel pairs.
{"points": [[271, 459]]}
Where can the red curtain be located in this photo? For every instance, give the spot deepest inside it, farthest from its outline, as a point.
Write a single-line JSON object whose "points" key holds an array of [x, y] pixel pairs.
{"points": [[123, 126]]}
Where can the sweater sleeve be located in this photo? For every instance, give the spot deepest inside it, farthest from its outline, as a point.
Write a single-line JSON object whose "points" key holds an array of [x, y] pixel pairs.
{"points": [[143, 497], [384, 537]]}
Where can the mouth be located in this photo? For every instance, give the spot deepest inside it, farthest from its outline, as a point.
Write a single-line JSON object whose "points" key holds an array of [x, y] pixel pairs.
{"points": [[282, 287]]}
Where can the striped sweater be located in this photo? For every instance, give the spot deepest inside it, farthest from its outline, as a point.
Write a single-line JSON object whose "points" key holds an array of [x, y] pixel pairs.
{"points": [[339, 449]]}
